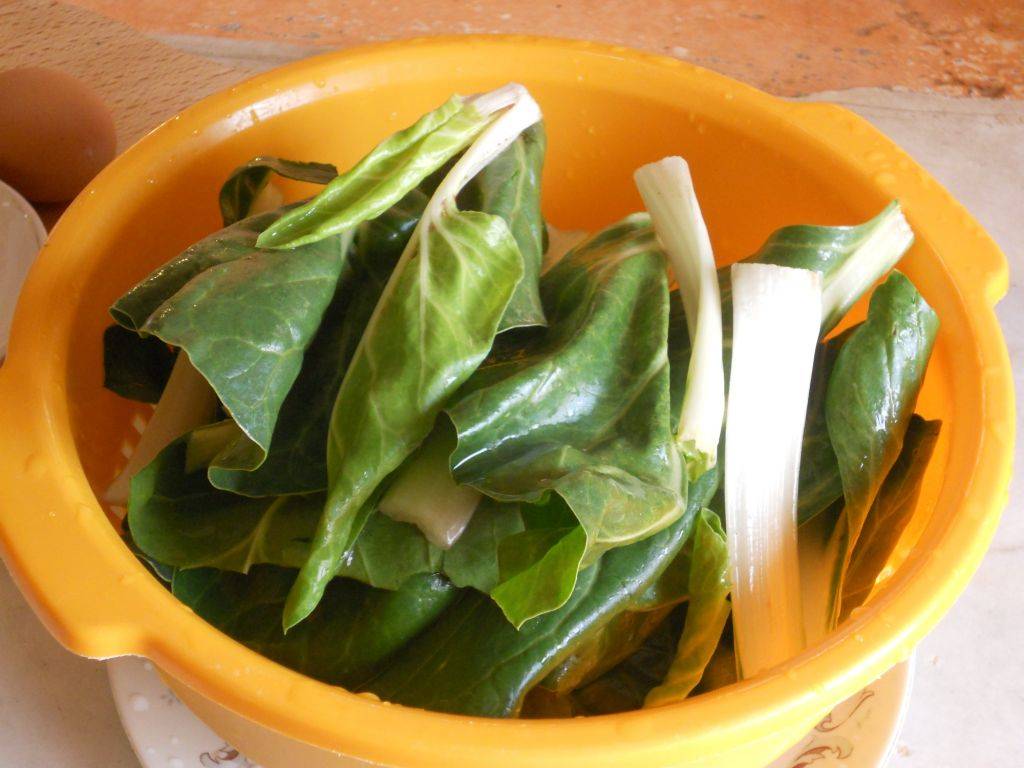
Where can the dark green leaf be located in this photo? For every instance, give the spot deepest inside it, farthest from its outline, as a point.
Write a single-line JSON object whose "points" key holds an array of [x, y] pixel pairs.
{"points": [[583, 409], [871, 395], [251, 360], [431, 329], [616, 641], [394, 168], [162, 571], [353, 632], [135, 367], [472, 661], [388, 552], [178, 519], [245, 183], [297, 460], [826, 249], [624, 687], [891, 511], [537, 567], [509, 186], [678, 354], [706, 612], [473, 559], [819, 484]]}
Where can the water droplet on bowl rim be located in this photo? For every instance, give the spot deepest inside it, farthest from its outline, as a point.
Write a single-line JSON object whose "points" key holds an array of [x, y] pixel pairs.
{"points": [[35, 466]]}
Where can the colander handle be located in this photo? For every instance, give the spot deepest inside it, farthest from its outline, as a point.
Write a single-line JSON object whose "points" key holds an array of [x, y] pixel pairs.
{"points": [[66, 558]]}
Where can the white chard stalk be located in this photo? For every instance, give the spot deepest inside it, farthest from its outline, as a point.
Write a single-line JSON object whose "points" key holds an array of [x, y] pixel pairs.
{"points": [[776, 318], [187, 402], [426, 495], [668, 194], [890, 237], [515, 111]]}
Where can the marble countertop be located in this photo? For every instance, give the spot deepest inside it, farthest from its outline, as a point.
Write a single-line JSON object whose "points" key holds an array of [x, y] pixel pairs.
{"points": [[56, 709]]}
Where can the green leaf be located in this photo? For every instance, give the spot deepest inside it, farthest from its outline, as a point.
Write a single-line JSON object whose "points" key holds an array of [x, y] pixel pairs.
{"points": [[623, 688], [431, 329], [162, 571], [178, 519], [850, 259], [583, 409], [891, 511], [297, 461], [473, 559], [510, 187], [422, 491], [672, 587], [619, 639], [537, 567], [871, 395], [819, 482], [134, 367], [488, 670], [193, 303], [387, 553], [393, 169], [706, 612], [245, 183], [678, 354], [355, 630]]}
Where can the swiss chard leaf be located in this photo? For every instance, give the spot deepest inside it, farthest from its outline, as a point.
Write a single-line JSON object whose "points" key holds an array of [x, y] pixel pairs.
{"points": [[487, 671], [582, 410], [870, 399], [832, 252], [473, 559], [297, 461], [355, 630], [706, 612], [193, 303], [430, 330], [849, 258], [245, 183], [891, 511], [820, 484], [624, 687], [178, 519], [393, 169], [537, 567], [162, 571], [619, 639], [134, 367], [510, 187], [387, 553]]}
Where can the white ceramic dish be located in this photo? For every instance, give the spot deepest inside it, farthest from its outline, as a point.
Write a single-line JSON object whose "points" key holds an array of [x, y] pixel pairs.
{"points": [[22, 234], [859, 733]]}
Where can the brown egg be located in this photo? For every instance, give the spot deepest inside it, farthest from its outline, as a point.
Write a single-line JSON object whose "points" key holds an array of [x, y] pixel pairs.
{"points": [[55, 133]]}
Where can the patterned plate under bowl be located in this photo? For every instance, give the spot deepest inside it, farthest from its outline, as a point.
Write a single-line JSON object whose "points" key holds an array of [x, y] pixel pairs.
{"points": [[859, 733]]}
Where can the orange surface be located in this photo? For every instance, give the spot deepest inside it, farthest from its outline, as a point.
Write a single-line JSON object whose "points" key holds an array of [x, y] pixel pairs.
{"points": [[97, 598], [788, 47]]}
